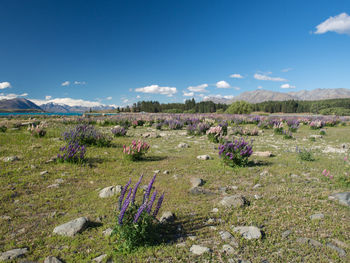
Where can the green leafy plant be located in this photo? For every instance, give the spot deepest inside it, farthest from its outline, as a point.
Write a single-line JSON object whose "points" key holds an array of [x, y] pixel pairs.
{"points": [[305, 155], [235, 153]]}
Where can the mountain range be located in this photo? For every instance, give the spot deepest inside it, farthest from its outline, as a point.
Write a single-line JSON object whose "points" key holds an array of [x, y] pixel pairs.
{"points": [[261, 95], [18, 105], [54, 107]]}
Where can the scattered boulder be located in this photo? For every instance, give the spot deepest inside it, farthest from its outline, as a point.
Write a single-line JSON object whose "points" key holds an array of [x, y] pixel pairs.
{"points": [[248, 232], [199, 250], [183, 145], [286, 234], [10, 159], [317, 216], [228, 237], [44, 172], [166, 172], [227, 249], [340, 251], [203, 157], [263, 154], [52, 260], [200, 191], [234, 201], [110, 191], [256, 186], [343, 198], [71, 228], [309, 241], [100, 259], [167, 217], [195, 182], [13, 254], [215, 210], [107, 232]]}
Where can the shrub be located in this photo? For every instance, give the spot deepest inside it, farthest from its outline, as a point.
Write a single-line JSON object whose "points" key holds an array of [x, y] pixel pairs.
{"points": [[174, 124], [322, 132], [159, 125], [136, 223], [239, 107], [235, 153], [86, 135], [136, 150], [3, 128], [278, 128], [119, 131], [72, 153], [317, 124], [293, 125], [37, 131], [305, 155], [214, 133], [287, 135]]}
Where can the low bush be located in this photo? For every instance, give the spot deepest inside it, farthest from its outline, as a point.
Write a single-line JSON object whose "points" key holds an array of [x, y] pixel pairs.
{"points": [[235, 153], [136, 150]]}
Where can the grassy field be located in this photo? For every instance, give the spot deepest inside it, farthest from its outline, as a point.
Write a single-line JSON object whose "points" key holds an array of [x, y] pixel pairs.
{"points": [[291, 190]]}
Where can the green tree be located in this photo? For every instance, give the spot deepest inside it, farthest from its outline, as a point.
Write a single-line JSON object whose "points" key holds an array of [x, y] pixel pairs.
{"points": [[240, 107]]}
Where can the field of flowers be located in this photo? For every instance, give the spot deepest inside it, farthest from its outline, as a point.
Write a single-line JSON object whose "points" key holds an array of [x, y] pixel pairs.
{"points": [[175, 188]]}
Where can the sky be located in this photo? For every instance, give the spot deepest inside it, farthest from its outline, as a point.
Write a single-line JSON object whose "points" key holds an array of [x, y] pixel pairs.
{"points": [[119, 52]]}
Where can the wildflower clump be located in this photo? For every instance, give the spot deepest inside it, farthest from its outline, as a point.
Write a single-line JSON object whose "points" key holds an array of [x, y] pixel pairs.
{"points": [[214, 133], [37, 131], [119, 131], [137, 224], [136, 150], [72, 153], [86, 135], [317, 124], [278, 128], [236, 153], [305, 155]]}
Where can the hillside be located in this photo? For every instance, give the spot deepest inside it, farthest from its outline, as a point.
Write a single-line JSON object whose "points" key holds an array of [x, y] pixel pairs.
{"points": [[18, 105]]}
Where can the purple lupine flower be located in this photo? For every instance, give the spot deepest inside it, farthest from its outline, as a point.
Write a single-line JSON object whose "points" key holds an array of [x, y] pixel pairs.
{"points": [[122, 194], [159, 204], [122, 211], [129, 194], [139, 212], [135, 189], [150, 204], [149, 188]]}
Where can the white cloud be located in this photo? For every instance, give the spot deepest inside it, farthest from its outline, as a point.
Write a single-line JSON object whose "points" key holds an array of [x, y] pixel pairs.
{"points": [[260, 87], [287, 86], [339, 24], [265, 77], [199, 88], [48, 97], [237, 88], [138, 97], [125, 100], [188, 94], [236, 76], [155, 89], [286, 69], [5, 85], [109, 98], [69, 102], [79, 82], [219, 96], [66, 83], [11, 96], [222, 85]]}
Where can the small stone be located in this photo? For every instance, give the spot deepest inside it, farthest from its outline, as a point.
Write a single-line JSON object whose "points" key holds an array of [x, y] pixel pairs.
{"points": [[343, 198], [59, 181], [183, 145], [195, 182], [234, 201], [166, 172], [256, 186], [199, 250], [193, 238], [203, 157], [215, 210], [10, 159], [309, 241], [294, 175], [5, 217], [167, 217], [53, 186], [257, 197], [44, 172], [52, 260], [248, 232], [228, 249], [234, 187], [199, 191], [228, 237], [72, 227], [286, 234], [182, 244], [340, 251], [110, 191], [156, 171], [13, 254], [263, 154], [100, 259], [264, 173], [107, 232], [317, 216], [340, 243]]}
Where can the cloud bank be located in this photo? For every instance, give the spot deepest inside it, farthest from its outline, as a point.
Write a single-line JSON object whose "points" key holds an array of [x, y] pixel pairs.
{"points": [[339, 24], [266, 77], [155, 89]]}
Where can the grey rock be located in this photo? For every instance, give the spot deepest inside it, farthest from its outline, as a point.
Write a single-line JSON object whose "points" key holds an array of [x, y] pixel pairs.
{"points": [[53, 186], [343, 198], [309, 241], [107, 232], [59, 181], [44, 172], [156, 171], [248, 232], [286, 234], [256, 186], [341, 252], [294, 175], [200, 191], [203, 157], [13, 254], [99, 259], [10, 159], [52, 260], [199, 250], [263, 154], [183, 145], [167, 217], [110, 191], [228, 237], [317, 216], [234, 201], [195, 182], [166, 172], [72, 227], [228, 249], [215, 210], [257, 197]]}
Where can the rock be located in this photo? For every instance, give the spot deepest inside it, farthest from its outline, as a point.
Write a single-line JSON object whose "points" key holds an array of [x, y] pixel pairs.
{"points": [[286, 234], [166, 172], [196, 182], [257, 197], [340, 243], [228, 237], [183, 145], [193, 238], [53, 186], [199, 250], [263, 154], [110, 191], [215, 210], [167, 217], [5, 217], [256, 186], [228, 249], [59, 181], [203, 157], [316, 136], [10, 159], [107, 232], [340, 251], [343, 198], [199, 191], [248, 232], [317, 216], [44, 172], [156, 171], [309, 241], [294, 175], [52, 260], [234, 201], [13, 254], [100, 259], [264, 173], [72, 227]]}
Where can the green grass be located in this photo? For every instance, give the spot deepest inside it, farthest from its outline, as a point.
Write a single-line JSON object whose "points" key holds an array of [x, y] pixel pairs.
{"points": [[286, 204]]}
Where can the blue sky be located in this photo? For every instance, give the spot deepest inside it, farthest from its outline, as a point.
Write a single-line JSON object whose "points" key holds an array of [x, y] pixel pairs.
{"points": [[119, 52]]}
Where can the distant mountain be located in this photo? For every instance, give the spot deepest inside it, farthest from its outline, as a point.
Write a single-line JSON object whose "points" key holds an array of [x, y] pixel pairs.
{"points": [[54, 107], [18, 105], [257, 96]]}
